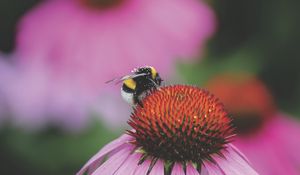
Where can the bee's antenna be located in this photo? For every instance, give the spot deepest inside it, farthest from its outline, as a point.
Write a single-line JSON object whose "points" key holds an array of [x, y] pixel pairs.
{"points": [[109, 81]]}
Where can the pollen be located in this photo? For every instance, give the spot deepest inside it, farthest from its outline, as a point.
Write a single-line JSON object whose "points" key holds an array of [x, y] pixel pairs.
{"points": [[181, 123]]}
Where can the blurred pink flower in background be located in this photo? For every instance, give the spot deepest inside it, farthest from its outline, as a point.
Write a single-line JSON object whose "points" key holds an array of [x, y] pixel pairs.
{"points": [[83, 41], [267, 137], [34, 99], [67, 49]]}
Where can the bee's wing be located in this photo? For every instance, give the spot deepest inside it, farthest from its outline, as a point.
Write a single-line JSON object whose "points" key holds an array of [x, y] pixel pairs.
{"points": [[130, 76], [120, 79]]}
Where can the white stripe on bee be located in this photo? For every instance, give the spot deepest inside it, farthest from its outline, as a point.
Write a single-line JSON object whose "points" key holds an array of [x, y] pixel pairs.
{"points": [[128, 97]]}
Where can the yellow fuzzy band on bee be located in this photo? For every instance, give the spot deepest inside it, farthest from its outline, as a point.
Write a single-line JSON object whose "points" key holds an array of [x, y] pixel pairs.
{"points": [[130, 83], [153, 72]]}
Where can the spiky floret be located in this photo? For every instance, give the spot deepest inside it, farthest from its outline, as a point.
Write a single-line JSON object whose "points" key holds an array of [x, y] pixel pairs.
{"points": [[181, 124]]}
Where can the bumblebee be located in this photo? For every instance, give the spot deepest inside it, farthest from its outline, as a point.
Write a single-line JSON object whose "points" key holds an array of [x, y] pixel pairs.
{"points": [[137, 85]]}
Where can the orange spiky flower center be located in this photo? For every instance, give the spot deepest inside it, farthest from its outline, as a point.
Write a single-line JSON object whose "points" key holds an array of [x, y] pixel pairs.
{"points": [[181, 123]]}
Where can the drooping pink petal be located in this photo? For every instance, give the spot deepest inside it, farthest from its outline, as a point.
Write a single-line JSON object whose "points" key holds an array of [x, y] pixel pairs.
{"points": [[190, 169], [158, 168], [177, 169], [93, 163], [113, 163], [213, 169], [130, 165], [204, 171], [234, 163], [142, 168]]}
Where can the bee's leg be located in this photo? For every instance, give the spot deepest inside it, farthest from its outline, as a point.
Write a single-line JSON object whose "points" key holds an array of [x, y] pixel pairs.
{"points": [[136, 100], [140, 103]]}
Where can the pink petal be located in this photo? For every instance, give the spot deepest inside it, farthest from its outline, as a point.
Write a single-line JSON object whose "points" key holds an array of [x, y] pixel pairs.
{"points": [[130, 165], [177, 169], [213, 169], [234, 163], [191, 170], [92, 164], [143, 168], [114, 162], [158, 168]]}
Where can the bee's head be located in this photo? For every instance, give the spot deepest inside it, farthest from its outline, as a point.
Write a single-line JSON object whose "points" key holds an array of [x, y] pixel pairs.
{"points": [[157, 79], [155, 76]]}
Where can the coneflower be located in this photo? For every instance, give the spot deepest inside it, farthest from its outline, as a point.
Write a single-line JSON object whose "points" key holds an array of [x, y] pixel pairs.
{"points": [[180, 130], [269, 138]]}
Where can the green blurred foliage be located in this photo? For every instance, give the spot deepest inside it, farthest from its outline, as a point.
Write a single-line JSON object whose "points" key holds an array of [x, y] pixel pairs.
{"points": [[50, 151]]}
